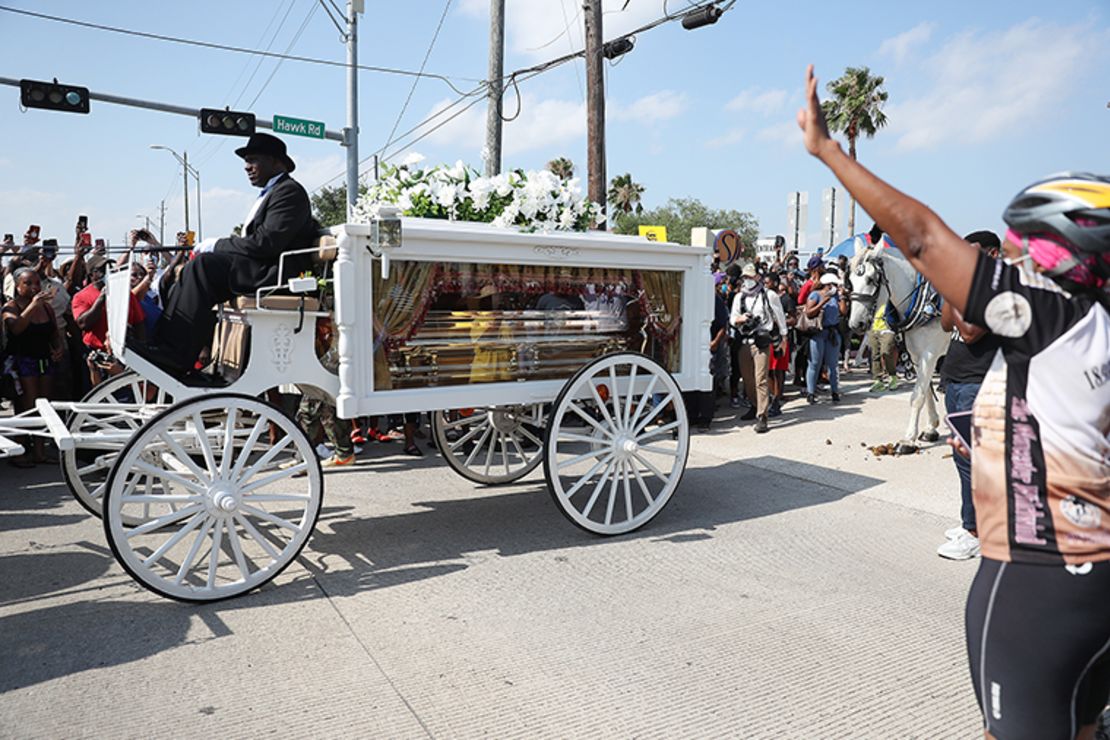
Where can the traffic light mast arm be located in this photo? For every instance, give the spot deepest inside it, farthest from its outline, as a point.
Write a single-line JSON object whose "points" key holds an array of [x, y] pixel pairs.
{"points": [[167, 108]]}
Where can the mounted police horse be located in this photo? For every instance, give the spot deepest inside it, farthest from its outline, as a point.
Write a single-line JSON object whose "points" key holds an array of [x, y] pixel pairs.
{"points": [[882, 277]]}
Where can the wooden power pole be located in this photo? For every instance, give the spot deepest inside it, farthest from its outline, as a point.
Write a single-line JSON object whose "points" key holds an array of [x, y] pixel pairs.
{"points": [[495, 88], [595, 103]]}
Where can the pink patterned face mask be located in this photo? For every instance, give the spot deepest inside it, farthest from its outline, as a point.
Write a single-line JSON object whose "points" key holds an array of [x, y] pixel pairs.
{"points": [[1054, 258]]}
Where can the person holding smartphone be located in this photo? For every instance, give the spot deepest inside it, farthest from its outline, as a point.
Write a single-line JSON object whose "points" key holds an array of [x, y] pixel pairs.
{"points": [[34, 348], [91, 312]]}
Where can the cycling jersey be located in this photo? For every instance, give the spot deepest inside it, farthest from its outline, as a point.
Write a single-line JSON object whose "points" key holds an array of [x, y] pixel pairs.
{"points": [[1041, 473]]}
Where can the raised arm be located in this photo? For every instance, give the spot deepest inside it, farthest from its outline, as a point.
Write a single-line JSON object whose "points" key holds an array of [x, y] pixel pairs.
{"points": [[934, 250]]}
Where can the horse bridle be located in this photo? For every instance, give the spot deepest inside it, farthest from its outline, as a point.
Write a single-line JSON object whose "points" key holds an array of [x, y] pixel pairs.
{"points": [[870, 299]]}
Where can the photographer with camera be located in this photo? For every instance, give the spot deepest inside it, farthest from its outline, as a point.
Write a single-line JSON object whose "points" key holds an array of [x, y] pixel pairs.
{"points": [[91, 312], [759, 324]]}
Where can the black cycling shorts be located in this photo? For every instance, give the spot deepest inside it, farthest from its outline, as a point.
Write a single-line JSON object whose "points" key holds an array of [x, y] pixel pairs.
{"points": [[1038, 644]]}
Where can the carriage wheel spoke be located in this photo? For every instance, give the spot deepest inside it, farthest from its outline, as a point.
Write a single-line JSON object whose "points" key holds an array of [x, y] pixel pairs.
{"points": [[531, 437], [257, 537], [649, 466], [187, 564], [244, 454], [166, 475], [654, 412], [182, 456], [615, 398], [601, 404], [582, 458], [627, 489], [274, 477], [489, 452], [265, 460], [179, 535], [271, 518], [466, 438], [658, 450], [630, 395], [597, 489], [465, 421], [164, 521], [505, 453], [237, 550], [658, 431], [260, 497], [643, 486], [586, 478], [229, 442], [573, 406], [214, 556], [481, 441], [205, 444], [643, 400], [617, 470], [519, 450]]}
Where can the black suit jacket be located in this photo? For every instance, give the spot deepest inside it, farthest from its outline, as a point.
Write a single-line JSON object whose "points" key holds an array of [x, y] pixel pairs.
{"points": [[282, 223]]}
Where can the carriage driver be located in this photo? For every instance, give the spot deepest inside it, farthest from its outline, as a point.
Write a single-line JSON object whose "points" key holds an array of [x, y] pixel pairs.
{"points": [[279, 221]]}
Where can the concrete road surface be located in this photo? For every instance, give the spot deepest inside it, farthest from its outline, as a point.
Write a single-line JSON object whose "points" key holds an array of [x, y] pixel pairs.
{"points": [[790, 589]]}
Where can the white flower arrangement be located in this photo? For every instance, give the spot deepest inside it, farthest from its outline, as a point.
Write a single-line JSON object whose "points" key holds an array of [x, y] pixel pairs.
{"points": [[535, 200]]}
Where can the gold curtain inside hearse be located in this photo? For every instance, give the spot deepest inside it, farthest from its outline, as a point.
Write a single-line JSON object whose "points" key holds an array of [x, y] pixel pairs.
{"points": [[459, 323]]}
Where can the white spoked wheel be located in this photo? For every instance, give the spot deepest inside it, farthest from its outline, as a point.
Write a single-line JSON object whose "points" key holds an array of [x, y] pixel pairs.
{"points": [[616, 444], [128, 400], [221, 509], [494, 445]]}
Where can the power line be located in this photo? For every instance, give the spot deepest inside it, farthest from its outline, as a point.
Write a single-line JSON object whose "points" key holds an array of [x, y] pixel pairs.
{"points": [[334, 22], [415, 82], [241, 50]]}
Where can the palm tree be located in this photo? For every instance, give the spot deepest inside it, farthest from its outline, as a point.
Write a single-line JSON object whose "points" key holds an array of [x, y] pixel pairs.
{"points": [[624, 195], [854, 108], [562, 168]]}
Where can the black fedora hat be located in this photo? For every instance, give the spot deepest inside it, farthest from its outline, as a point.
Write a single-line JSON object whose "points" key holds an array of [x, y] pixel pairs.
{"points": [[266, 144]]}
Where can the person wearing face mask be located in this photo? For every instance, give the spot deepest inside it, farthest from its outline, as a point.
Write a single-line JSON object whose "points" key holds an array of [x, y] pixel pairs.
{"points": [[758, 326], [1038, 613]]}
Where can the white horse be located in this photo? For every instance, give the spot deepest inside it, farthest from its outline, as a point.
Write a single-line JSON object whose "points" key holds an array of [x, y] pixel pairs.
{"points": [[880, 276]]}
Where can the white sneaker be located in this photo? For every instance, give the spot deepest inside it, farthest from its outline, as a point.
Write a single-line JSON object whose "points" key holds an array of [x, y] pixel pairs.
{"points": [[964, 547], [953, 533]]}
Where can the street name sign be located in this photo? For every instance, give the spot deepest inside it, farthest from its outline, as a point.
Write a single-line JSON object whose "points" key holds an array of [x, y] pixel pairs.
{"points": [[298, 127]]}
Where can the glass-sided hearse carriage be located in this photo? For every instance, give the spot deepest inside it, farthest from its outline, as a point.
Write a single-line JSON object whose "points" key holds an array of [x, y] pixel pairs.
{"points": [[569, 350]]}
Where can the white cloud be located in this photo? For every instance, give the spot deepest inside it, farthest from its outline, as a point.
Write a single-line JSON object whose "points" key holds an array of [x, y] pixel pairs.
{"points": [[554, 27], [899, 47], [985, 85], [658, 106], [730, 137], [312, 172], [755, 100], [786, 133]]}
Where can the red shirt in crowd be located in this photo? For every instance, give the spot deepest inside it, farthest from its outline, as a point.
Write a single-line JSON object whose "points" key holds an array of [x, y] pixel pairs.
{"points": [[804, 291], [84, 300]]}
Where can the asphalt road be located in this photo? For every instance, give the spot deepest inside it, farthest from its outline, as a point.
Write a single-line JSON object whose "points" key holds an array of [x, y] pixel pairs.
{"points": [[790, 589]]}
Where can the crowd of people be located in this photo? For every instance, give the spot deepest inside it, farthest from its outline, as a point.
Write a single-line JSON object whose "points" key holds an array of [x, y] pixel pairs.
{"points": [[774, 319]]}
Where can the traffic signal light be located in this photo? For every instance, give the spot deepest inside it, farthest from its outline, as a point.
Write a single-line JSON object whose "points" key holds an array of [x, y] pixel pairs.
{"points": [[705, 16], [226, 122], [53, 96]]}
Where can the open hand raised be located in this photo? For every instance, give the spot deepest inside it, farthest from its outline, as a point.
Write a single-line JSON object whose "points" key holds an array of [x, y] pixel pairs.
{"points": [[811, 119]]}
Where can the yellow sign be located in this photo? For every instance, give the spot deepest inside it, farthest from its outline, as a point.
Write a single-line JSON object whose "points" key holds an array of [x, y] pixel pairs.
{"points": [[654, 233]]}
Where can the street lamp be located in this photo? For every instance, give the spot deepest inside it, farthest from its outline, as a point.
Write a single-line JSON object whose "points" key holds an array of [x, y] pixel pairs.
{"points": [[187, 170]]}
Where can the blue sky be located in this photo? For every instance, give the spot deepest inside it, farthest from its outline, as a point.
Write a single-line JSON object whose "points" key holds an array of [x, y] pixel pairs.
{"points": [[984, 97]]}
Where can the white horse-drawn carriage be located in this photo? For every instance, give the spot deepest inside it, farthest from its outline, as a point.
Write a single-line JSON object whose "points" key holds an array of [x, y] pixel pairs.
{"points": [[570, 350]]}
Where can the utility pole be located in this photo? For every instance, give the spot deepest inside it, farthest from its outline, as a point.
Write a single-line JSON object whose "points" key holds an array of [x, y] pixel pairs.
{"points": [[595, 104], [185, 174], [350, 133], [495, 87], [162, 225], [200, 229]]}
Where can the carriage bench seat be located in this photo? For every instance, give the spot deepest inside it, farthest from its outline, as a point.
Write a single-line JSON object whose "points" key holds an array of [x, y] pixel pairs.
{"points": [[277, 302]]}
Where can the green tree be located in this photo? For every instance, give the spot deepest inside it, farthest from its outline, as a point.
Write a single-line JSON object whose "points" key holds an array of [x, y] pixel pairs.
{"points": [[329, 205], [561, 167], [855, 108], [624, 194], [680, 215]]}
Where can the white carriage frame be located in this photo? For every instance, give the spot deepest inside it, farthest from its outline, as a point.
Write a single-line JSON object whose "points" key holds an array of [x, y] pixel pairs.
{"points": [[426, 240]]}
